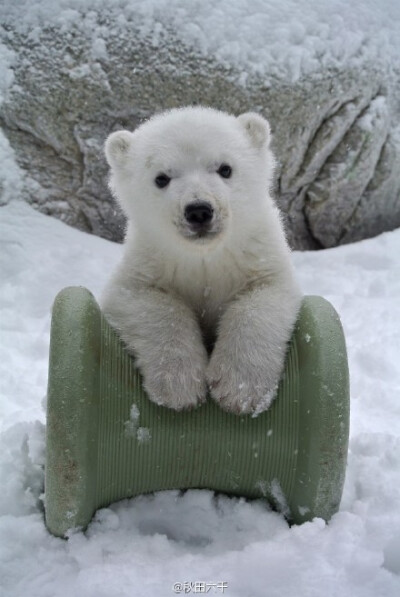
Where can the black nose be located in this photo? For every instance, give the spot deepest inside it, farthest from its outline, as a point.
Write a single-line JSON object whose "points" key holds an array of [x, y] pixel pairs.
{"points": [[199, 213]]}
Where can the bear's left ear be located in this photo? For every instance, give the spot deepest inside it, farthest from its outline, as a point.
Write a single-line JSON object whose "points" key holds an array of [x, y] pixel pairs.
{"points": [[257, 128], [117, 148]]}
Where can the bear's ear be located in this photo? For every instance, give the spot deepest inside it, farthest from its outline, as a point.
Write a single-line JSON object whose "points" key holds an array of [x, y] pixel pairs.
{"points": [[257, 128], [117, 148]]}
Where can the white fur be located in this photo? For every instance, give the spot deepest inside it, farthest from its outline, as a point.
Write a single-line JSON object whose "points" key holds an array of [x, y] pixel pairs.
{"points": [[174, 295]]}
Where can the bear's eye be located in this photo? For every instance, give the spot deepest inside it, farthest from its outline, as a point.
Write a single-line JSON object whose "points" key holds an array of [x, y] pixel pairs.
{"points": [[162, 180], [225, 171]]}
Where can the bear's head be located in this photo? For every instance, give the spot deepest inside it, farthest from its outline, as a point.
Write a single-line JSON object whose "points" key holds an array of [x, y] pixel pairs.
{"points": [[193, 173]]}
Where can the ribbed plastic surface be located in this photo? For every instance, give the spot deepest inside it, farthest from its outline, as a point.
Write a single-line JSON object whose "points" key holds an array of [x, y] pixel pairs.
{"points": [[164, 449], [119, 444]]}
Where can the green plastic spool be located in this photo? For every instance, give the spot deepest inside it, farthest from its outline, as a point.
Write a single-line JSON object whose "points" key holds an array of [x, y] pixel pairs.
{"points": [[107, 441]]}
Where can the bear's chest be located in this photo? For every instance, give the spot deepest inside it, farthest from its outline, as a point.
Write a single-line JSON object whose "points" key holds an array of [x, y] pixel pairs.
{"points": [[207, 284]]}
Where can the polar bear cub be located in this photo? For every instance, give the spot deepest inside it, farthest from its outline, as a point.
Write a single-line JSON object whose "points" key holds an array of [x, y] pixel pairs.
{"points": [[205, 296]]}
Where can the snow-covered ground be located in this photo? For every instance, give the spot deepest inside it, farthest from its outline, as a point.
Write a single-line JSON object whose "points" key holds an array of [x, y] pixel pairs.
{"points": [[143, 546]]}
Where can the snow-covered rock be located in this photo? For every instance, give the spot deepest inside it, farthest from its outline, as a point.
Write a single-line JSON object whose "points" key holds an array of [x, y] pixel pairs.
{"points": [[324, 72]]}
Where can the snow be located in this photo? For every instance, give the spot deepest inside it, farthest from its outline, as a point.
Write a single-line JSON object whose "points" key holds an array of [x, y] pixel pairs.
{"points": [[134, 413], [143, 546], [278, 39], [377, 111], [11, 175], [142, 434]]}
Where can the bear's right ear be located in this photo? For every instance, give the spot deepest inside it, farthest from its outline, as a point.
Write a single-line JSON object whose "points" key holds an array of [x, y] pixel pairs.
{"points": [[117, 148]]}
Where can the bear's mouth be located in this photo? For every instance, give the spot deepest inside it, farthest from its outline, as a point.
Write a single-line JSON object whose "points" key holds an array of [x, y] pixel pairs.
{"points": [[201, 232], [203, 235]]}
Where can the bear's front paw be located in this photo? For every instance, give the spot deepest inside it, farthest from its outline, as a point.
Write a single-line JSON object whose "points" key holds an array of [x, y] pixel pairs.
{"points": [[239, 387], [176, 385]]}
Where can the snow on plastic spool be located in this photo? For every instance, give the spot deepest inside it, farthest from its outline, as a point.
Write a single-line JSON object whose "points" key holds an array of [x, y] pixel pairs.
{"points": [[107, 441]]}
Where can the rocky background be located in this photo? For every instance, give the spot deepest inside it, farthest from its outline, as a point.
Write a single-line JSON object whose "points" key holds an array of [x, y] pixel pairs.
{"points": [[71, 79]]}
